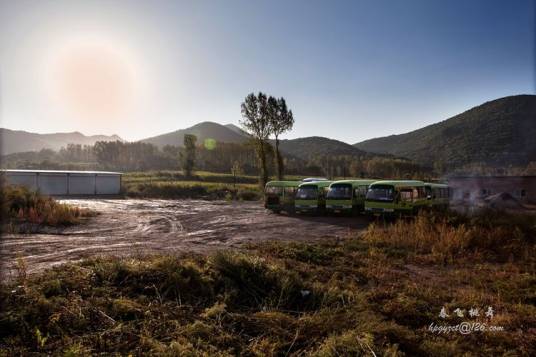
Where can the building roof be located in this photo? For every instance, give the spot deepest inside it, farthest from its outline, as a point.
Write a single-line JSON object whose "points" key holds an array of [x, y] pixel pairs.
{"points": [[63, 172]]}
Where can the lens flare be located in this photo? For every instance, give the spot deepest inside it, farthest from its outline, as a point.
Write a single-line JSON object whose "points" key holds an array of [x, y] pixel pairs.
{"points": [[210, 144]]}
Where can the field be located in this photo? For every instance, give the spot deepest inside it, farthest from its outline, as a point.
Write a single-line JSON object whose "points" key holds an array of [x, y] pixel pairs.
{"points": [[203, 185], [224, 277], [379, 291]]}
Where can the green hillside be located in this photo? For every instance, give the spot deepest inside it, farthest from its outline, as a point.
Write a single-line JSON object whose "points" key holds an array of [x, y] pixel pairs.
{"points": [[501, 133], [204, 130], [314, 146]]}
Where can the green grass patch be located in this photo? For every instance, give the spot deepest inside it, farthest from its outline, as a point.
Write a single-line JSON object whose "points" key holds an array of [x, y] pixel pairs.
{"points": [[192, 189], [204, 185]]}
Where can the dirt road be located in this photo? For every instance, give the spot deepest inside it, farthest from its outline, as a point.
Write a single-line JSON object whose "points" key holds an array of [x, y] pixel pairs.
{"points": [[134, 227]]}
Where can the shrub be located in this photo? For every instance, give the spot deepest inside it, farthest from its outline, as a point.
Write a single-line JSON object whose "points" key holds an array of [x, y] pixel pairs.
{"points": [[20, 205]]}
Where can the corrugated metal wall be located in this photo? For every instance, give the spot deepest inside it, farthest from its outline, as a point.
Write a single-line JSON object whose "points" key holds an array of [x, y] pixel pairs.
{"points": [[67, 183]]}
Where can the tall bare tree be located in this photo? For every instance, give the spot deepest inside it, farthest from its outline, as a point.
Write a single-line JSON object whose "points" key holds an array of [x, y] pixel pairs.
{"points": [[256, 121], [281, 121]]}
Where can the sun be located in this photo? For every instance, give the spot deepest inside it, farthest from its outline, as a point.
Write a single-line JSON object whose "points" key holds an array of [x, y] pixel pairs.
{"points": [[93, 81]]}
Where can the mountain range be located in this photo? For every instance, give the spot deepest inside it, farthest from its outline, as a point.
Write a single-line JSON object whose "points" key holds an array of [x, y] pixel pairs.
{"points": [[303, 148], [206, 130], [12, 141], [499, 132]]}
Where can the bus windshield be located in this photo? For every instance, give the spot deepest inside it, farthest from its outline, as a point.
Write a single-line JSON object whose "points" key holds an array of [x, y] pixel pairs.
{"points": [[380, 193], [340, 191], [307, 193]]}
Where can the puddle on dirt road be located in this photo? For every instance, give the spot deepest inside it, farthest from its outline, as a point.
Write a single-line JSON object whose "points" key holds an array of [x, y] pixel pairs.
{"points": [[136, 227]]}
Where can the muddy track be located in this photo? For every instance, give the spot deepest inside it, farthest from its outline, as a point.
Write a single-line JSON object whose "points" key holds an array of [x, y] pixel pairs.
{"points": [[140, 227]]}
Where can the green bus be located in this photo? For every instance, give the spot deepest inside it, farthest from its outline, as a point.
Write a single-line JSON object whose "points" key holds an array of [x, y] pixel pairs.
{"points": [[396, 197], [311, 197], [437, 195], [279, 195], [347, 196]]}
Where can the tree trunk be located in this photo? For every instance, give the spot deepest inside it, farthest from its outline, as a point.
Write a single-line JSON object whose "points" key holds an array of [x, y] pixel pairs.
{"points": [[263, 176], [278, 160]]}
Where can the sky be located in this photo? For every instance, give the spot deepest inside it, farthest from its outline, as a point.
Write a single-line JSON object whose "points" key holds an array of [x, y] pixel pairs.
{"points": [[349, 70]]}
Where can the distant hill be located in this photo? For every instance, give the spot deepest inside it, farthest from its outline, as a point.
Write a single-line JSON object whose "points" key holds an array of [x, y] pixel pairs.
{"points": [[501, 132], [314, 146], [236, 129], [204, 130], [13, 141]]}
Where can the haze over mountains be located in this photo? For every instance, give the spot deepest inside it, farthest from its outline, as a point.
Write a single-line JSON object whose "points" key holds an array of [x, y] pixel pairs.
{"points": [[13, 141], [499, 132]]}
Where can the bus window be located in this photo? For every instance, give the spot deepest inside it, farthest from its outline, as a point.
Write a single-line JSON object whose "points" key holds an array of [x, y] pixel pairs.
{"points": [[406, 194], [289, 191], [419, 192], [380, 193], [307, 193], [340, 192]]}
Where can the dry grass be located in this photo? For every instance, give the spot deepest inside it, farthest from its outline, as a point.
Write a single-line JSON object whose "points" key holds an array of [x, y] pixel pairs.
{"points": [[357, 296], [445, 238], [21, 206]]}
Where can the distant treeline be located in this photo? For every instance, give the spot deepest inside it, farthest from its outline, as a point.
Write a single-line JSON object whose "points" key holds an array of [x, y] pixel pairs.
{"points": [[138, 156]]}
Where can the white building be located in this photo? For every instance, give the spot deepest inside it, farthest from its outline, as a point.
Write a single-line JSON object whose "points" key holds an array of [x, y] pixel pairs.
{"points": [[66, 183]]}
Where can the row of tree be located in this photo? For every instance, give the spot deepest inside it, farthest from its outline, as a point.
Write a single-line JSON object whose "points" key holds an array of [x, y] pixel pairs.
{"points": [[227, 157]]}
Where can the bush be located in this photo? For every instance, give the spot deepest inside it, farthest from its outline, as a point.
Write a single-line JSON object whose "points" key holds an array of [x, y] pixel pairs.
{"points": [[20, 205]]}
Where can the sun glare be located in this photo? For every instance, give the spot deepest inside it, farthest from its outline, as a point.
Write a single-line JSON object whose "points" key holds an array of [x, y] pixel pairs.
{"points": [[93, 81]]}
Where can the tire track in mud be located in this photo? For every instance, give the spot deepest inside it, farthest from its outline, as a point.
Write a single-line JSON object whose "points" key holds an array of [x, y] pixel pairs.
{"points": [[140, 227]]}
